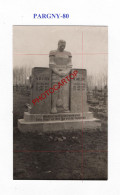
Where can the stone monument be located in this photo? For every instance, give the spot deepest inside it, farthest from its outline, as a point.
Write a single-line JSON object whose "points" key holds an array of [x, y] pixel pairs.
{"points": [[58, 96]]}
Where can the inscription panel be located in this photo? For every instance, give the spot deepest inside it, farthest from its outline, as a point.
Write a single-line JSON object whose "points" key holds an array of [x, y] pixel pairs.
{"points": [[78, 100], [56, 117], [41, 82]]}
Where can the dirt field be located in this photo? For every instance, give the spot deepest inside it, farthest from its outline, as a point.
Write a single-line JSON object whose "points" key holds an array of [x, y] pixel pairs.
{"points": [[58, 155]]}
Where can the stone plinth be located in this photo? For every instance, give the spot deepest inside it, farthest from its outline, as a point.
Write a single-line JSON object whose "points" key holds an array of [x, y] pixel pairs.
{"points": [[56, 117], [57, 122]]}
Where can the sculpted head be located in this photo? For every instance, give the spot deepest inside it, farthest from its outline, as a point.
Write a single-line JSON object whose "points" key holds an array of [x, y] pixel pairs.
{"points": [[61, 45]]}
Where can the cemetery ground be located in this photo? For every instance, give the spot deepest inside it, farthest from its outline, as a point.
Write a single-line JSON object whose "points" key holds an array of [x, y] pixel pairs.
{"points": [[58, 155]]}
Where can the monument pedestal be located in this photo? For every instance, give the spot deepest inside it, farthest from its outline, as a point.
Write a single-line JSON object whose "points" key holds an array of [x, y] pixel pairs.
{"points": [[57, 122], [39, 118]]}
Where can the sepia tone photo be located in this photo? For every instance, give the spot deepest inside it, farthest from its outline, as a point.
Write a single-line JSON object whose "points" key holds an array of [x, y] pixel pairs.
{"points": [[60, 102]]}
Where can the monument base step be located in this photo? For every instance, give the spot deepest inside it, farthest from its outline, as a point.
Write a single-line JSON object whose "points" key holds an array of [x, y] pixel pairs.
{"points": [[28, 117], [53, 126]]}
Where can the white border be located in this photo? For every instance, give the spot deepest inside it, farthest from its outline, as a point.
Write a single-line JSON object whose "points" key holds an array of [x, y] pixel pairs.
{"points": [[86, 12]]}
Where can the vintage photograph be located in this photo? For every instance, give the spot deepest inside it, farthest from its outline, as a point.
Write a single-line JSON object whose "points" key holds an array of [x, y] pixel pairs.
{"points": [[60, 102]]}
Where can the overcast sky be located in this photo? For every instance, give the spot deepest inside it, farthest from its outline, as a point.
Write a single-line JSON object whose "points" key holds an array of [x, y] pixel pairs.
{"points": [[43, 39]]}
